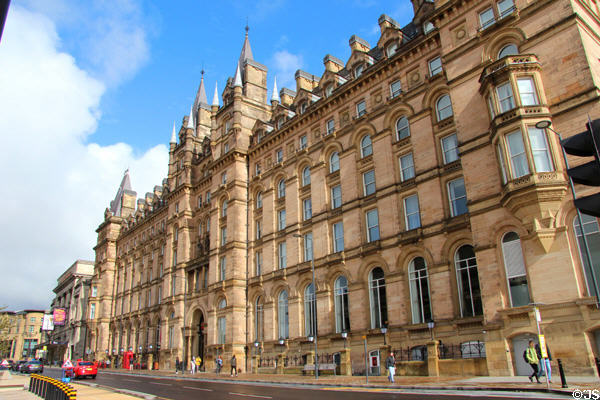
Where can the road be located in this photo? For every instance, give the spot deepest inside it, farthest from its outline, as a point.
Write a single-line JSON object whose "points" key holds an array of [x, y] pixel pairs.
{"points": [[189, 388]]}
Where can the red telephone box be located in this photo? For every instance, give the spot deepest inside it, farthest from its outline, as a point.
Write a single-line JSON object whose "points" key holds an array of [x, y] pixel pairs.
{"points": [[127, 359]]}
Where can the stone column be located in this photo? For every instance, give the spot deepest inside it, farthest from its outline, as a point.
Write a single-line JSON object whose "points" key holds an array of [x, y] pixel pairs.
{"points": [[279, 368], [255, 363], [150, 361], [433, 368], [345, 362], [310, 360]]}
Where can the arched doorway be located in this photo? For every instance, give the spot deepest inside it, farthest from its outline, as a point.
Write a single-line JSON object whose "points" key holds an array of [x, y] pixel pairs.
{"points": [[520, 344], [198, 336]]}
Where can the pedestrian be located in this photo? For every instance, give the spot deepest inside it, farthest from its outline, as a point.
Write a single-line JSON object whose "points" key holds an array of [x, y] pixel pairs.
{"points": [[198, 362], [219, 364], [390, 364], [176, 365], [233, 366], [544, 362], [532, 359], [192, 366]]}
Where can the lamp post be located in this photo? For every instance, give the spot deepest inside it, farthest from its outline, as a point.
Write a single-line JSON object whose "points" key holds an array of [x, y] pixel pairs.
{"points": [[345, 336], [431, 325], [314, 314], [546, 125], [384, 331], [538, 319]]}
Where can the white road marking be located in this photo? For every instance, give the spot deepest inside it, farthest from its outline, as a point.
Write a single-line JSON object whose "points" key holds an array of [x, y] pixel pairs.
{"points": [[250, 395], [131, 380], [197, 388], [158, 383]]}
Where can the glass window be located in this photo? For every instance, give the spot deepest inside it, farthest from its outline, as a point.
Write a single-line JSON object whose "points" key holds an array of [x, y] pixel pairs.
{"points": [[282, 314], [539, 149], [330, 126], [457, 196], [467, 279], [281, 189], [223, 236], [258, 229], [366, 147], [592, 236], [490, 103], [224, 209], [377, 298], [361, 108], [358, 70], [428, 27], [338, 237], [527, 92], [222, 329], [280, 122], [334, 162], [302, 108], [282, 255], [402, 128], [342, 310], [420, 302], [303, 142], [259, 200], [307, 209], [450, 148], [309, 310], [518, 158], [486, 18], [508, 50], [279, 156], [328, 90], [223, 178], [515, 270], [259, 328], [391, 49], [281, 219], [222, 267], [308, 247], [411, 212], [92, 311], [443, 107], [372, 225], [257, 169], [502, 163], [395, 89], [306, 176], [407, 167], [258, 263], [505, 97], [505, 7], [94, 291], [369, 182], [336, 196], [435, 66]]}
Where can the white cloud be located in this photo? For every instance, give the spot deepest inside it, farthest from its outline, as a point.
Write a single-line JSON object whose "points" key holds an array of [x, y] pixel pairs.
{"points": [[56, 184], [285, 66]]}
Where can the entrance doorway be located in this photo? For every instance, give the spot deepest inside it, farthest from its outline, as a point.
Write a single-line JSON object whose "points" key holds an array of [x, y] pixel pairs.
{"points": [[199, 339], [520, 344]]}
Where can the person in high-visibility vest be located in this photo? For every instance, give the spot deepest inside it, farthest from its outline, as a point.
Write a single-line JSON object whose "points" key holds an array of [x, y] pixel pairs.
{"points": [[533, 360]]}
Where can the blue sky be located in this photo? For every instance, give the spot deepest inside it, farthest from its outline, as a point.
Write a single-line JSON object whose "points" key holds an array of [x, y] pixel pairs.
{"points": [[92, 87]]}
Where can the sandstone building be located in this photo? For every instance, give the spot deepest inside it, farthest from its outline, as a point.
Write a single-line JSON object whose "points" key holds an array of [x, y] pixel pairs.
{"points": [[411, 174], [22, 335]]}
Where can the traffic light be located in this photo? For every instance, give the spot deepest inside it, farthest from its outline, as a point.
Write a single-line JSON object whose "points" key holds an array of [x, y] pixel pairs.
{"points": [[586, 144]]}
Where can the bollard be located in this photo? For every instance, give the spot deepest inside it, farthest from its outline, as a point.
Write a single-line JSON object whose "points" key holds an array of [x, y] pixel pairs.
{"points": [[563, 380]]}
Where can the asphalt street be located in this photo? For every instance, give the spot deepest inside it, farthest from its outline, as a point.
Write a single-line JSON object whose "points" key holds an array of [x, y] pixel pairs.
{"points": [[193, 388]]}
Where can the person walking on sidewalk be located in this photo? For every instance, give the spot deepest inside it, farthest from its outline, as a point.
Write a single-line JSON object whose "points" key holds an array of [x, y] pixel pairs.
{"points": [[176, 365], [544, 362], [532, 358], [219, 364], [192, 366], [233, 366], [198, 362], [390, 364]]}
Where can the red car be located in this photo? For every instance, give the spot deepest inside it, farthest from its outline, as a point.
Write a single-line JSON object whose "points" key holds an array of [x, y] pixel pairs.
{"points": [[85, 368]]}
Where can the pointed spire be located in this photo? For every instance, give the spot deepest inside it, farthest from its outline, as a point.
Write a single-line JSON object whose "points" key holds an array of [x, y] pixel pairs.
{"points": [[238, 78], [173, 135], [201, 94], [275, 95], [246, 53], [115, 205], [215, 101], [190, 123]]}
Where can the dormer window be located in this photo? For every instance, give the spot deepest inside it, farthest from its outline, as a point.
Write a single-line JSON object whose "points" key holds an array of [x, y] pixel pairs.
{"points": [[280, 122], [302, 107], [358, 70], [391, 49], [428, 27], [328, 90]]}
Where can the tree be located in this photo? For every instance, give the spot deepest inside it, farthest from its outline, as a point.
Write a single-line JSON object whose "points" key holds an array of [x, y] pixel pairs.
{"points": [[5, 339]]}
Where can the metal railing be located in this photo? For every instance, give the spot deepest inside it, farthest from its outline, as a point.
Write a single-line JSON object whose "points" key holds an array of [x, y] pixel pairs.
{"points": [[50, 388], [267, 362], [294, 361], [415, 353], [473, 349]]}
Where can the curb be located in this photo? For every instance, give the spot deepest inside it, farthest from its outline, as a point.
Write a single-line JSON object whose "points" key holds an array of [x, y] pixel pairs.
{"points": [[566, 392], [128, 392]]}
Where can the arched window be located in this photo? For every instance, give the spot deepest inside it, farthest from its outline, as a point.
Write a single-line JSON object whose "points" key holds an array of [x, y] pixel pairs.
{"points": [[282, 314], [342, 313], [366, 148], [377, 298], [402, 128], [508, 50], [309, 310], [224, 209], [281, 189], [259, 200], [420, 301], [306, 176], [443, 107], [467, 279], [334, 162], [515, 270], [592, 235], [258, 320], [222, 304]]}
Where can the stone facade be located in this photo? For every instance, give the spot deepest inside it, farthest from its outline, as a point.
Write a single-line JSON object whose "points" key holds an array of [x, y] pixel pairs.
{"points": [[414, 178], [23, 334]]}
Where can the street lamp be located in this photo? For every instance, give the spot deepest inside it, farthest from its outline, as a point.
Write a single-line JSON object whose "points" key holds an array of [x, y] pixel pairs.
{"points": [[546, 125], [384, 331], [281, 341], [431, 325], [314, 314], [344, 336]]}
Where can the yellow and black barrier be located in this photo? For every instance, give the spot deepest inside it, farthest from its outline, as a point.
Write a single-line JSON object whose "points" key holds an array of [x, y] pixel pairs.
{"points": [[51, 389]]}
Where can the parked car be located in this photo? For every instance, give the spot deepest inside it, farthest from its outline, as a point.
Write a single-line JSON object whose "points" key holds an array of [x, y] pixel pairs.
{"points": [[33, 366], [17, 366], [83, 369]]}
